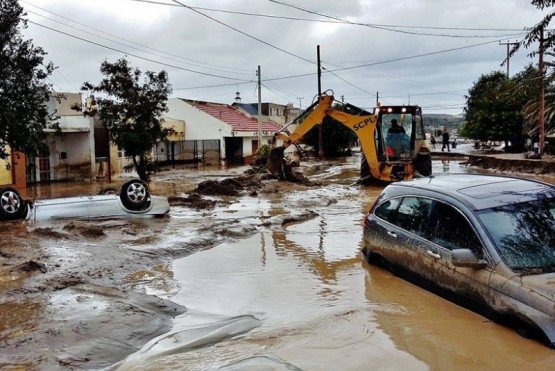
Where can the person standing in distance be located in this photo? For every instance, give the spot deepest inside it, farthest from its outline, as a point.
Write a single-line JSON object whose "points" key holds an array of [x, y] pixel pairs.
{"points": [[445, 141]]}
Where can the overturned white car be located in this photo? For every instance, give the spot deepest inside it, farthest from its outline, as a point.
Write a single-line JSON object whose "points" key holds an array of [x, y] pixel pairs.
{"points": [[132, 200]]}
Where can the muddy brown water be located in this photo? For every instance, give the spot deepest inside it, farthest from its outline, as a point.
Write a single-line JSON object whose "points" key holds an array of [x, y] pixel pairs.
{"points": [[265, 281]]}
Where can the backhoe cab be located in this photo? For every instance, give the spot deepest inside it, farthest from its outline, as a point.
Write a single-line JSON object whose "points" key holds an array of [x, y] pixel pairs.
{"points": [[389, 154], [401, 142]]}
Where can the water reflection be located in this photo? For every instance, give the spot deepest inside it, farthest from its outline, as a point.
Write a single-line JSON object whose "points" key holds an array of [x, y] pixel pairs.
{"points": [[445, 336]]}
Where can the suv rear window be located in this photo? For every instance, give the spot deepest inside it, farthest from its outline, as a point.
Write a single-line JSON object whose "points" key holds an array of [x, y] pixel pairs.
{"points": [[433, 220], [384, 210], [451, 230], [413, 215]]}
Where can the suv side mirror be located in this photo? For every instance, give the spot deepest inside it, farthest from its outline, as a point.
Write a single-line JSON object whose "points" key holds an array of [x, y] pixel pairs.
{"points": [[466, 258]]}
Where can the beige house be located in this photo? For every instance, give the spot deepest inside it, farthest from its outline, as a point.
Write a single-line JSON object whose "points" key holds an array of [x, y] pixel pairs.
{"points": [[70, 155]]}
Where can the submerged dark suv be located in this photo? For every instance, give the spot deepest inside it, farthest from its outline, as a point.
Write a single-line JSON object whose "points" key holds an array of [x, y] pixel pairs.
{"points": [[487, 242]]}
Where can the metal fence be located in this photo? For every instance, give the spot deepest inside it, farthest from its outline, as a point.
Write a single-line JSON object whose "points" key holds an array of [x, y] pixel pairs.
{"points": [[189, 151]]}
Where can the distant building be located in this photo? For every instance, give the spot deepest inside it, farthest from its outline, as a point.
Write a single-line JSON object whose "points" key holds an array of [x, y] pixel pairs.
{"points": [[279, 113]]}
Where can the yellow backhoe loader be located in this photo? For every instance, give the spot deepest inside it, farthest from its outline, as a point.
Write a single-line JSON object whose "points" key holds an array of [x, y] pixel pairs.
{"points": [[392, 139]]}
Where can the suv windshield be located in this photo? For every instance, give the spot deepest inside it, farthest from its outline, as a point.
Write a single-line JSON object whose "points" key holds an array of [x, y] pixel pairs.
{"points": [[524, 234]]}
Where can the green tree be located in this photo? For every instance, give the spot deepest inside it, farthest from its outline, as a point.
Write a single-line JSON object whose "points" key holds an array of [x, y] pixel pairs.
{"points": [[494, 106], [535, 34], [530, 79], [131, 110], [541, 32], [532, 109], [23, 90]]}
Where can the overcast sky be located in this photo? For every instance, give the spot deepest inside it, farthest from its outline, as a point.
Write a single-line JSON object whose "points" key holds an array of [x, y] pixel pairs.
{"points": [[425, 52]]}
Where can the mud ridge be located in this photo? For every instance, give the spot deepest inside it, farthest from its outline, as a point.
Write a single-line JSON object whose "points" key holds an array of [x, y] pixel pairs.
{"points": [[498, 163]]}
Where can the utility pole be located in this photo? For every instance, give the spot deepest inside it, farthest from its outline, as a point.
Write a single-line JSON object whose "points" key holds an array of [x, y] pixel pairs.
{"points": [[300, 102], [542, 100], [259, 109], [377, 99], [320, 134], [509, 44]]}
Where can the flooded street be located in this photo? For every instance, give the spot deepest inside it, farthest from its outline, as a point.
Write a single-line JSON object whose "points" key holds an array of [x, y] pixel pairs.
{"points": [[268, 280]]}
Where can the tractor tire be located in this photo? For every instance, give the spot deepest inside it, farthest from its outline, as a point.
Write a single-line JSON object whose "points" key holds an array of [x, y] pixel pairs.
{"points": [[365, 175], [423, 164]]}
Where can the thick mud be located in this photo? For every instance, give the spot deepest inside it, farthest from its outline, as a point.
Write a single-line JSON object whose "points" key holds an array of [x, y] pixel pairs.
{"points": [[245, 273], [515, 163]]}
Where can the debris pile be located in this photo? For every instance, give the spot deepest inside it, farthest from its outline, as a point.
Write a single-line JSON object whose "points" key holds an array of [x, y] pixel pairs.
{"points": [[230, 186], [194, 201]]}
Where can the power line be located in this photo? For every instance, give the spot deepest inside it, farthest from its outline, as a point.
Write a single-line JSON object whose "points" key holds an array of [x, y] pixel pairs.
{"points": [[275, 92], [242, 81], [391, 28], [316, 13], [388, 61], [353, 67], [349, 83], [216, 67], [336, 20], [213, 86], [244, 33], [134, 55]]}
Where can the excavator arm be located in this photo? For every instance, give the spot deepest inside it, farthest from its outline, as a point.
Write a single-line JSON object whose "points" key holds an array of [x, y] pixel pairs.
{"points": [[362, 125], [311, 117]]}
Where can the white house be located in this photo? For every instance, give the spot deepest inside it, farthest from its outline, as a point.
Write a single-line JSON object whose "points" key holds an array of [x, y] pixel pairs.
{"points": [[216, 129]]}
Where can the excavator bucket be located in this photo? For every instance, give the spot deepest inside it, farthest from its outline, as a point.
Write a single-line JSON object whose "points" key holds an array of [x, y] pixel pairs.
{"points": [[279, 167], [276, 162]]}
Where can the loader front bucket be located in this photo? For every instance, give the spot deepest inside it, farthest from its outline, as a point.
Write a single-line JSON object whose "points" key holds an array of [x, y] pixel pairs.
{"points": [[276, 162]]}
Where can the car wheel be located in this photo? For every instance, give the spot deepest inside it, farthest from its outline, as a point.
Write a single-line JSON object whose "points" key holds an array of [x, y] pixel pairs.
{"points": [[134, 195], [423, 164], [11, 205]]}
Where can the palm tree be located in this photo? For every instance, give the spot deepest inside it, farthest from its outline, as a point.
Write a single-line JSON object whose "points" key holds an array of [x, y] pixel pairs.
{"points": [[531, 110]]}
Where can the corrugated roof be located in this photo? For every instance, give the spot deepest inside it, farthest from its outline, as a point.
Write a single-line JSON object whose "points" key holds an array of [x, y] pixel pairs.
{"points": [[232, 116]]}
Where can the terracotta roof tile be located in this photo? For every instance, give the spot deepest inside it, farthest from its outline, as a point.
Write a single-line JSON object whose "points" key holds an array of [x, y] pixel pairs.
{"points": [[232, 116]]}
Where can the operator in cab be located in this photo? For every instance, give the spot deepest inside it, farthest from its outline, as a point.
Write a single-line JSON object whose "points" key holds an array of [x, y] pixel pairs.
{"points": [[397, 140], [396, 128]]}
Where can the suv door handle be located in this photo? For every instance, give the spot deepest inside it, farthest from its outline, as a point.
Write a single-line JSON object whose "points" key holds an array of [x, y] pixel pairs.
{"points": [[433, 254], [392, 234]]}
